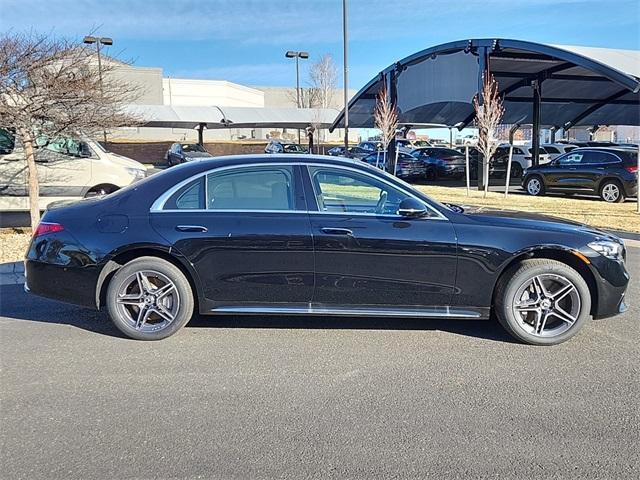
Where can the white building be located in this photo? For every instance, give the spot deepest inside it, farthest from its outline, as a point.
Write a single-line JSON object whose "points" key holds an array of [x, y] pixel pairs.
{"points": [[159, 90]]}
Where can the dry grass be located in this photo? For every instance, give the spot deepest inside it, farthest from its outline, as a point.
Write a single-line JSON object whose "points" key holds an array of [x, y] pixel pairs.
{"points": [[594, 212], [14, 241]]}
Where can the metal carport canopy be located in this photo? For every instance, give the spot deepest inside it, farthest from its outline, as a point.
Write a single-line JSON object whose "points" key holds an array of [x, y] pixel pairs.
{"points": [[171, 116], [579, 86]]}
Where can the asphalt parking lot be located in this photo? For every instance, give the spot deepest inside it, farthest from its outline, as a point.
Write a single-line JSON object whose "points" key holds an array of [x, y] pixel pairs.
{"points": [[314, 398]]}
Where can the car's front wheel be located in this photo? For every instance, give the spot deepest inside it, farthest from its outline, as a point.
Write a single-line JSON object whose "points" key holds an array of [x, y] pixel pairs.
{"points": [[534, 186], [542, 301], [149, 299]]}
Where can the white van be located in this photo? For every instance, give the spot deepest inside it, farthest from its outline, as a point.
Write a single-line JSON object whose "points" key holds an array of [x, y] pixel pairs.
{"points": [[67, 170]]}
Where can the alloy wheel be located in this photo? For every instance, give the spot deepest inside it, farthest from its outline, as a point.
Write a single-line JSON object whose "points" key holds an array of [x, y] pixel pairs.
{"points": [[610, 192], [534, 186], [148, 301], [547, 305]]}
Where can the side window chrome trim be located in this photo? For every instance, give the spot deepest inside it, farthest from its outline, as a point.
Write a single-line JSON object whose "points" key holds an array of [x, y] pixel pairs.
{"points": [[158, 205]]}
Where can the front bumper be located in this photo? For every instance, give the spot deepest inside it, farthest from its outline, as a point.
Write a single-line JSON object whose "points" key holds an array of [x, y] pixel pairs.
{"points": [[612, 280]]}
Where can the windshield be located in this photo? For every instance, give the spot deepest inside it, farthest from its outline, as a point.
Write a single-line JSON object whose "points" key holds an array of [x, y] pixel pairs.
{"points": [[293, 148], [193, 147]]}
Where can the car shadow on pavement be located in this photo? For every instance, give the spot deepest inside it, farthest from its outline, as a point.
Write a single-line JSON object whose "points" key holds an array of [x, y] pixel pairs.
{"points": [[488, 330], [16, 305]]}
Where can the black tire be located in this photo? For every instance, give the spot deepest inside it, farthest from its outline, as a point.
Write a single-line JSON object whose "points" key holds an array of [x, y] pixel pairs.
{"points": [[529, 187], [184, 303], [611, 191], [522, 273], [431, 174], [516, 170]]}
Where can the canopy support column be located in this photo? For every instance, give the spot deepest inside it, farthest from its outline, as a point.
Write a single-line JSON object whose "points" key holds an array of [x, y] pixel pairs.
{"points": [[201, 133], [512, 132], [536, 85], [393, 98], [483, 69]]}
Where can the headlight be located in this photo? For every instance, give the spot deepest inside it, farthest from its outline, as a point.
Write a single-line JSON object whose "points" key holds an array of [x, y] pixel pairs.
{"points": [[612, 250], [137, 173]]}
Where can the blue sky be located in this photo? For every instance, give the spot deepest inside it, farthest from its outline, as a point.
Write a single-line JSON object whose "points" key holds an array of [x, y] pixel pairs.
{"points": [[245, 40]]}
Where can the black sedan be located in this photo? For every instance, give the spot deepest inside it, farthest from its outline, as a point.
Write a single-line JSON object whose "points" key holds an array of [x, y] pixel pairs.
{"points": [[407, 168], [611, 173], [302, 234], [441, 162], [184, 152]]}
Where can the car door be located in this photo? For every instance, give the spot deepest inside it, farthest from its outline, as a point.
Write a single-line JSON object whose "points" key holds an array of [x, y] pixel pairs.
{"points": [[62, 168], [563, 173], [366, 254], [246, 231]]}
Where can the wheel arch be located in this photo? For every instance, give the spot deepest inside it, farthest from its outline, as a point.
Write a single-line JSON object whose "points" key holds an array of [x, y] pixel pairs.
{"points": [[110, 186], [122, 257], [560, 254]]}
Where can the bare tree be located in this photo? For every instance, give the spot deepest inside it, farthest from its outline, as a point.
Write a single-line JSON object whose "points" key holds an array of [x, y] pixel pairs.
{"points": [[323, 75], [488, 116], [51, 88], [308, 97], [386, 120]]}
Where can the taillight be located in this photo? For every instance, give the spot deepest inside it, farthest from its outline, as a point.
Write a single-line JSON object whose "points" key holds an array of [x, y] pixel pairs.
{"points": [[632, 169], [45, 228]]}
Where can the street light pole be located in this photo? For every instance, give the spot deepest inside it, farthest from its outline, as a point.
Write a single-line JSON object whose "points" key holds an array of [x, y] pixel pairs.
{"points": [[99, 41], [297, 82], [345, 40], [297, 56]]}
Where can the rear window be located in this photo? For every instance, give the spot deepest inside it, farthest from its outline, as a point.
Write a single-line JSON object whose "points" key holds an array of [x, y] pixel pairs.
{"points": [[551, 150], [629, 157], [255, 188]]}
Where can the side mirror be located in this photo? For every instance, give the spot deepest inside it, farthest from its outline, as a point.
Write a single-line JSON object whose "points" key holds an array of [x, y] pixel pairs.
{"points": [[412, 208]]}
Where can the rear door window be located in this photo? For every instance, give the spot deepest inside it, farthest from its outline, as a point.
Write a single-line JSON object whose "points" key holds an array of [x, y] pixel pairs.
{"points": [[251, 188]]}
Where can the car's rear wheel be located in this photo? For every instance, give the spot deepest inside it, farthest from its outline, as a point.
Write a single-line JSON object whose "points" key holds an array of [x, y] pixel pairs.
{"points": [[542, 301], [534, 186], [516, 170], [149, 299], [611, 191]]}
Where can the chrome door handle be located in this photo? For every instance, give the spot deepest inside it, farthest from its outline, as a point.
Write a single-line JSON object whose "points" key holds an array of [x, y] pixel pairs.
{"points": [[337, 231], [191, 228]]}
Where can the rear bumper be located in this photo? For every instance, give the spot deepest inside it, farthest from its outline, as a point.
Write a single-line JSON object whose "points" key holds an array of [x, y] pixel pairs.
{"points": [[75, 285]]}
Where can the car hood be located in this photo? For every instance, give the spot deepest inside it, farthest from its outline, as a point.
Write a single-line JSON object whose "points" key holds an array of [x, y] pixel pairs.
{"points": [[529, 220], [124, 161], [197, 154]]}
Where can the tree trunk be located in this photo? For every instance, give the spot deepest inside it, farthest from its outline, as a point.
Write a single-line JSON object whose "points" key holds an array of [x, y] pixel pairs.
{"points": [[486, 176], [32, 172]]}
